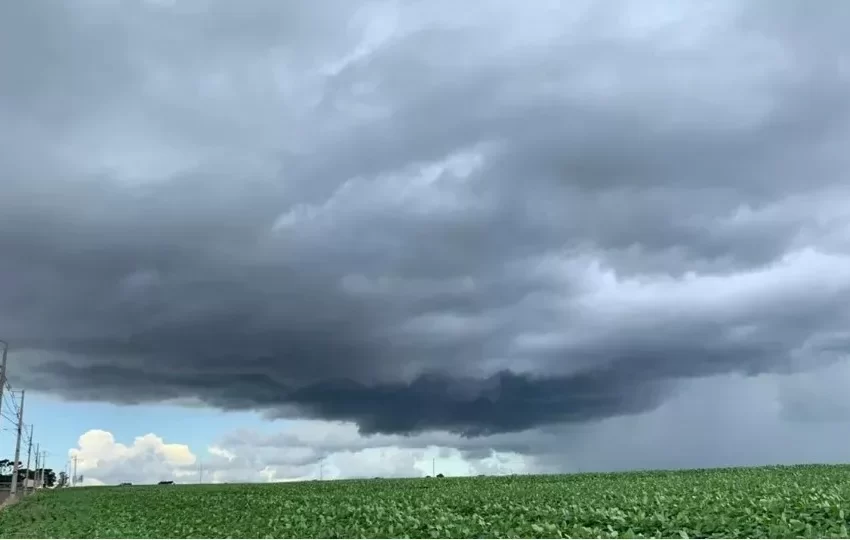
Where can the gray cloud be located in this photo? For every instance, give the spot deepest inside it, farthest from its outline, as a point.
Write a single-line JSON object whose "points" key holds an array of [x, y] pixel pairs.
{"points": [[727, 420], [414, 216]]}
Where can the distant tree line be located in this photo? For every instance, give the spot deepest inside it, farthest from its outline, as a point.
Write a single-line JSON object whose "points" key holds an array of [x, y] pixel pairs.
{"points": [[7, 468]]}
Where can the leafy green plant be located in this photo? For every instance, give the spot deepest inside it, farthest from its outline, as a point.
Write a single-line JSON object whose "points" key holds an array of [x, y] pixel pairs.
{"points": [[776, 502]]}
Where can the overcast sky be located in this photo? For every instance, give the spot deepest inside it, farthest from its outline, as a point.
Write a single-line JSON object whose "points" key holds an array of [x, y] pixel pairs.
{"points": [[494, 225]]}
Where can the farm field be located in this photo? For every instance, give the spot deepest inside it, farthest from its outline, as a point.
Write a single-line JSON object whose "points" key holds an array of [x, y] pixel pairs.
{"points": [[777, 502]]}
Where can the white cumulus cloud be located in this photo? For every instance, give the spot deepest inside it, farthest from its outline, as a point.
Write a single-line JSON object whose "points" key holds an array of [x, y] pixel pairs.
{"points": [[102, 460]]}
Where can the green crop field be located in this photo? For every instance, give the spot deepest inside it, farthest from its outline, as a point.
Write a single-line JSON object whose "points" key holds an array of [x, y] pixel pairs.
{"points": [[777, 502]]}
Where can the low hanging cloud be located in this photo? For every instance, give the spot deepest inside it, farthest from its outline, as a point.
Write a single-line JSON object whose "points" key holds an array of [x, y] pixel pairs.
{"points": [[724, 420], [719, 421], [416, 217]]}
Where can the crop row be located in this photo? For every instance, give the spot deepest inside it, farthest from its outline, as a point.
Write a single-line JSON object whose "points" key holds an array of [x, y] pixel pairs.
{"points": [[777, 502]]}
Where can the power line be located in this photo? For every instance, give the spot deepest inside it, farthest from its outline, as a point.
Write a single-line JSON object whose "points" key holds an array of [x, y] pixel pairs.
{"points": [[8, 401], [11, 404], [13, 412]]}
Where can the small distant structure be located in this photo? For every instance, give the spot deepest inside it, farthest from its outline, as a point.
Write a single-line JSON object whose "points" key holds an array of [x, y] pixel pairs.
{"points": [[165, 482], [122, 484]]}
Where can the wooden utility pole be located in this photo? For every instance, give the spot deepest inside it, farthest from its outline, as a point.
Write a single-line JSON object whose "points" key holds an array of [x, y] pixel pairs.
{"points": [[29, 455], [13, 491], [35, 471], [3, 373]]}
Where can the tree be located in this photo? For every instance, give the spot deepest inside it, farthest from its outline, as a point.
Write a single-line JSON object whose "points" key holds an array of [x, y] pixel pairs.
{"points": [[6, 468], [63, 480], [49, 478]]}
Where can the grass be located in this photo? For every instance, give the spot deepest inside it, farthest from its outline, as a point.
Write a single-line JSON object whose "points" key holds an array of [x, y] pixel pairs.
{"points": [[776, 502]]}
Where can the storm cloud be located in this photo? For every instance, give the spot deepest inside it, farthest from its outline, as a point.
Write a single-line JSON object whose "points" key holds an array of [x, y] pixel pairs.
{"points": [[479, 218]]}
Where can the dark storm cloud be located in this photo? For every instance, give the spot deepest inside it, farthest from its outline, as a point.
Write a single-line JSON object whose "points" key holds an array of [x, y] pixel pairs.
{"points": [[420, 216]]}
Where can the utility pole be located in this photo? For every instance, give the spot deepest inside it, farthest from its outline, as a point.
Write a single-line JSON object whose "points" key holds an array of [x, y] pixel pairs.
{"points": [[74, 483], [433, 466], [35, 470], [13, 491], [322, 469], [43, 461], [29, 455], [200, 472], [3, 372]]}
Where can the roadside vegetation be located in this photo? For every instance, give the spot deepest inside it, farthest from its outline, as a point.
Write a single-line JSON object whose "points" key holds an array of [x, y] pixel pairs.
{"points": [[776, 502]]}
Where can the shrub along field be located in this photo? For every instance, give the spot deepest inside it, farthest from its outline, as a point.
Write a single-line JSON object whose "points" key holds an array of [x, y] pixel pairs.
{"points": [[776, 502]]}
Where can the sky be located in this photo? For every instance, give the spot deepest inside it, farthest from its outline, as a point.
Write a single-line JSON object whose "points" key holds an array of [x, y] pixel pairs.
{"points": [[283, 240]]}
